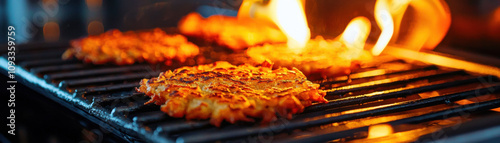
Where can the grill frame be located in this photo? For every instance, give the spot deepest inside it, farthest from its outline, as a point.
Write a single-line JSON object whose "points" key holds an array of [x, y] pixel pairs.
{"points": [[115, 121]]}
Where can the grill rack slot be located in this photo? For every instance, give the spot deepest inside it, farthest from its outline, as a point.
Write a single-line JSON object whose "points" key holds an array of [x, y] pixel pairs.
{"points": [[378, 96], [108, 79]]}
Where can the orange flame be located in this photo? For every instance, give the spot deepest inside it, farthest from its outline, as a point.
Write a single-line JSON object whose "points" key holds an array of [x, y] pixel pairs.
{"points": [[431, 16], [93, 3], [288, 15]]}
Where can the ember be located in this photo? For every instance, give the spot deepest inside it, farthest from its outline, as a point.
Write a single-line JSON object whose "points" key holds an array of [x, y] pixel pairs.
{"points": [[232, 32]]}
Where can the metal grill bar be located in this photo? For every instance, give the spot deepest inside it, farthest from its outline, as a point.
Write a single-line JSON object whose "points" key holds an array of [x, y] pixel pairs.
{"points": [[397, 107], [55, 68], [138, 107], [181, 126], [39, 55], [107, 88]]}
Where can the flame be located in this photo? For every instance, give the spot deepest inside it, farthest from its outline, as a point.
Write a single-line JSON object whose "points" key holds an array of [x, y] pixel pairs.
{"points": [[288, 15], [93, 3], [381, 130], [430, 23]]}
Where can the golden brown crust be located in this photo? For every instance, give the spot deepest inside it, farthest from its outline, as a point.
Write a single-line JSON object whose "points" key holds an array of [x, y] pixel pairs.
{"points": [[224, 92], [236, 34], [130, 47], [325, 58]]}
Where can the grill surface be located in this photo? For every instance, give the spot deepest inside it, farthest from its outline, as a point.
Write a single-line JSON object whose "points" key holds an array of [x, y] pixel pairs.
{"points": [[414, 98]]}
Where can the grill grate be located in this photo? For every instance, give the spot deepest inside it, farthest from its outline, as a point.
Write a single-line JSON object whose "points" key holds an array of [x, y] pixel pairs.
{"points": [[388, 89]]}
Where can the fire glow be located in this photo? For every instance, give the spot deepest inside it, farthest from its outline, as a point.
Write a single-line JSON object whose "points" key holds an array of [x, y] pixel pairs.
{"points": [[289, 16]]}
